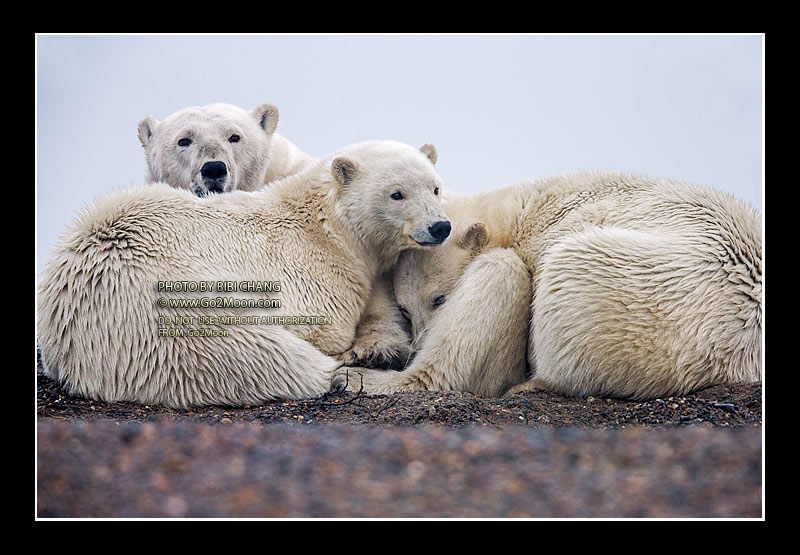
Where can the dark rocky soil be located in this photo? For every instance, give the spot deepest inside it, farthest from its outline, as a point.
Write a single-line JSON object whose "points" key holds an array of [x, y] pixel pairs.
{"points": [[410, 455], [734, 405]]}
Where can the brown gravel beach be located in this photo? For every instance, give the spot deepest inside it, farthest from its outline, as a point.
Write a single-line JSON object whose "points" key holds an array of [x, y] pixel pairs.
{"points": [[410, 455]]}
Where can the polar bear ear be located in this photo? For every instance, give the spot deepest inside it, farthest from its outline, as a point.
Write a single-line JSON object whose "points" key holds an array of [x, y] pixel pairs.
{"points": [[146, 129], [475, 237], [344, 169], [430, 151], [267, 117]]}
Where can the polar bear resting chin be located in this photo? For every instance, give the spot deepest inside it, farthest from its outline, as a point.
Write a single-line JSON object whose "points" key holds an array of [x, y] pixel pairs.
{"points": [[219, 148], [108, 328], [605, 284]]}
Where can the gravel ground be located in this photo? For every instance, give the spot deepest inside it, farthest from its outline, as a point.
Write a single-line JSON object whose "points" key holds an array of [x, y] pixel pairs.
{"points": [[410, 455]]}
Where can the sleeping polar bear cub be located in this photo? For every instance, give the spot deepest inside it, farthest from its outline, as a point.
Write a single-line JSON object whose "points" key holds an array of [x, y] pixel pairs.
{"points": [[219, 148]]}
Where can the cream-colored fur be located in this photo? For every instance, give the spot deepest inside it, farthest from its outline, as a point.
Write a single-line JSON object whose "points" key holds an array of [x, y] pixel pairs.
{"points": [[285, 159], [324, 235], [177, 148], [642, 288]]}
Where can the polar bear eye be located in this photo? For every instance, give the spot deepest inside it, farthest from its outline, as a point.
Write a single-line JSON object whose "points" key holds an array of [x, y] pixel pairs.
{"points": [[438, 301], [184, 142], [406, 316], [397, 195], [234, 139], [436, 190]]}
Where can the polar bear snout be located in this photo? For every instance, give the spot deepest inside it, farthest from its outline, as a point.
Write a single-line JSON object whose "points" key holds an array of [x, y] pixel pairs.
{"points": [[440, 230], [215, 176], [433, 234], [214, 170]]}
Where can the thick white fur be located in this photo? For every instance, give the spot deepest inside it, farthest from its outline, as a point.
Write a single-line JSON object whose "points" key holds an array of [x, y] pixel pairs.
{"points": [[642, 288], [644, 314], [324, 234], [259, 156], [285, 159]]}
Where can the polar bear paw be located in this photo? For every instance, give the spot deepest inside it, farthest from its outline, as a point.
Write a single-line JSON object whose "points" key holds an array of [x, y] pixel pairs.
{"points": [[369, 381], [530, 385], [383, 353]]}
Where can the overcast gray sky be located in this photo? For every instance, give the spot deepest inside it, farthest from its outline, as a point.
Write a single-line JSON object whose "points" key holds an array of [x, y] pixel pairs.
{"points": [[499, 108]]}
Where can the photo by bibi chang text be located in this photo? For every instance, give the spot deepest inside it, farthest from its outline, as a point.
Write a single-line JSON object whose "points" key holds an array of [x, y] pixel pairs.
{"points": [[219, 286]]}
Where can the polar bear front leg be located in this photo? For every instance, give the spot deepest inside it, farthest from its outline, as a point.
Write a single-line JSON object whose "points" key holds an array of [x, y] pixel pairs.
{"points": [[475, 342], [382, 338]]}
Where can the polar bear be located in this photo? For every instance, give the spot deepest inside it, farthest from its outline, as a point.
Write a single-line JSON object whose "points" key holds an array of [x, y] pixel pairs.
{"points": [[219, 148], [300, 256], [638, 288], [382, 339]]}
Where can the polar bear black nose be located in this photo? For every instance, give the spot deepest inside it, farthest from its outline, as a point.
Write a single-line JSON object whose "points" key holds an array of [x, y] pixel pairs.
{"points": [[440, 230], [214, 170]]}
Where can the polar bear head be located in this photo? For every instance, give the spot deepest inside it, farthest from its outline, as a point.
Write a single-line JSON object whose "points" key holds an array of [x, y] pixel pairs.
{"points": [[210, 149], [390, 194], [424, 279]]}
